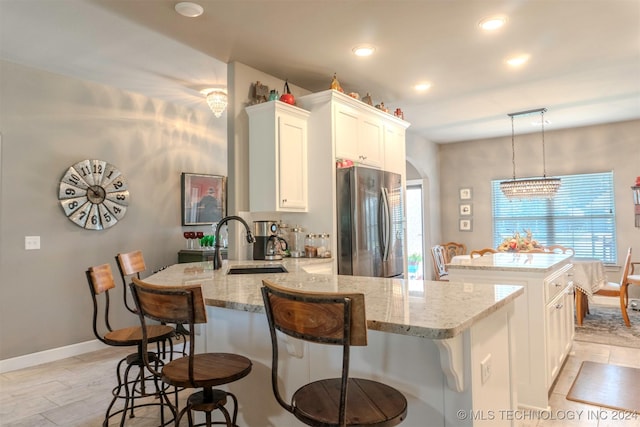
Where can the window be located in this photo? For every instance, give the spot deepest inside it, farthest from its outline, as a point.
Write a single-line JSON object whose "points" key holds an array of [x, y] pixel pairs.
{"points": [[581, 216]]}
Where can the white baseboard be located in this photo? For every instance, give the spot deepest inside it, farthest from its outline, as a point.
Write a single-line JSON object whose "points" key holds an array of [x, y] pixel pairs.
{"points": [[51, 355], [33, 359]]}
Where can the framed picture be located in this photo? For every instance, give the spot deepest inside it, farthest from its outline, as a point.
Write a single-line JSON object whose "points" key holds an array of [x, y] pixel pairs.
{"points": [[465, 225], [204, 198], [465, 193], [465, 209]]}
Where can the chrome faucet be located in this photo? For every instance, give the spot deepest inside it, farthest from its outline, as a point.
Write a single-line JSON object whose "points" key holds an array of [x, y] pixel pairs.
{"points": [[217, 258]]}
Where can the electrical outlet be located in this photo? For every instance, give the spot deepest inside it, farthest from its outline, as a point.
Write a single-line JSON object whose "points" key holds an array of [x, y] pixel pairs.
{"points": [[485, 368], [31, 242]]}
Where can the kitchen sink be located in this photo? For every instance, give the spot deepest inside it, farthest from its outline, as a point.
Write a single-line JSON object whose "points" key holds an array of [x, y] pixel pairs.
{"points": [[257, 269]]}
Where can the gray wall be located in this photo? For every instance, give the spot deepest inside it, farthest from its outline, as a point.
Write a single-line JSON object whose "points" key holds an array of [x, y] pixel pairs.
{"points": [[474, 164], [48, 123]]}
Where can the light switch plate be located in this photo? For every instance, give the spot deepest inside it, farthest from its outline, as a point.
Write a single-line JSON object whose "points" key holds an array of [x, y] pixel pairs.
{"points": [[31, 242], [485, 368]]}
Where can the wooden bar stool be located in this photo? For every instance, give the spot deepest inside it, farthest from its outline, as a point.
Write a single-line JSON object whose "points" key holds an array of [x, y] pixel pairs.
{"points": [[336, 319], [129, 388], [130, 264], [203, 371]]}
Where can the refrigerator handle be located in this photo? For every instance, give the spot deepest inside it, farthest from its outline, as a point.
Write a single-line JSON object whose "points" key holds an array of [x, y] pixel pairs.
{"points": [[386, 224]]}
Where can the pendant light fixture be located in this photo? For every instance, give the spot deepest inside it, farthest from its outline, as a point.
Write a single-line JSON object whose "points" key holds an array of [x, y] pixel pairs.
{"points": [[529, 188], [216, 99]]}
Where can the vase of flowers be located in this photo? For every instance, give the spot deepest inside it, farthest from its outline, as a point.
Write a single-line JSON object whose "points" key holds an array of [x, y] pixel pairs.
{"points": [[519, 243]]}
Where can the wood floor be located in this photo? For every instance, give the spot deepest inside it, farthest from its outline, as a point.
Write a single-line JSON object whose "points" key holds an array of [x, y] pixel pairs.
{"points": [[76, 391]]}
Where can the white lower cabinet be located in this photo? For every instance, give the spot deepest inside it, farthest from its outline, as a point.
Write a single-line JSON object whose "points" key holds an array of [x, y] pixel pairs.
{"points": [[544, 325], [277, 157]]}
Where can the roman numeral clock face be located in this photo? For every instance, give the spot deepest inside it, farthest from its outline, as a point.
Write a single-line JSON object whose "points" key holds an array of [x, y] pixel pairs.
{"points": [[94, 194]]}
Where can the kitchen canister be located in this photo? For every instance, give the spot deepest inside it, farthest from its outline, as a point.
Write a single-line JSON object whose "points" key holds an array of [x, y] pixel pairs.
{"points": [[296, 242], [324, 246], [311, 246]]}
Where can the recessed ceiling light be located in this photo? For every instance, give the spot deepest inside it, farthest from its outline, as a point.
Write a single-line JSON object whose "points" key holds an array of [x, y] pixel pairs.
{"points": [[364, 50], [517, 61], [420, 87], [189, 9], [493, 23]]}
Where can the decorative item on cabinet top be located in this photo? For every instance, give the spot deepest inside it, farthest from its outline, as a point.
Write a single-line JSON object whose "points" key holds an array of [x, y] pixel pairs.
{"points": [[335, 84], [94, 194], [260, 93], [287, 96], [363, 104]]}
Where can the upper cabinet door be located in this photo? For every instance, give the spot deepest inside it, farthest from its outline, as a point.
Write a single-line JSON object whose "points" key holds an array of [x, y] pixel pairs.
{"points": [[371, 144], [346, 132], [277, 157], [292, 163], [358, 137], [394, 149]]}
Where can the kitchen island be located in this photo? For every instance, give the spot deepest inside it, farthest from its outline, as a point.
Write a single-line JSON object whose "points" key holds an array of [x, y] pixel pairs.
{"points": [[448, 347], [543, 316]]}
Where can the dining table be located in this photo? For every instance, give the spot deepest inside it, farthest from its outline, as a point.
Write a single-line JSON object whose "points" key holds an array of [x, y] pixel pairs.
{"points": [[588, 278]]}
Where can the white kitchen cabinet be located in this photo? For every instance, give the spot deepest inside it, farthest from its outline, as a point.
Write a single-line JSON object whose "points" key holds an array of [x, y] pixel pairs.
{"points": [[340, 127], [359, 130], [345, 132], [278, 157], [395, 159], [544, 316], [358, 136]]}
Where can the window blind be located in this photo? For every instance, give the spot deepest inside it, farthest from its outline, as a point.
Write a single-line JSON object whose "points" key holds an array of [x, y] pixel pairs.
{"points": [[581, 216]]}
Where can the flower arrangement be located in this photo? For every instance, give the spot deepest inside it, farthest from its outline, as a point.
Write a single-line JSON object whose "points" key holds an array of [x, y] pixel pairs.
{"points": [[518, 243]]}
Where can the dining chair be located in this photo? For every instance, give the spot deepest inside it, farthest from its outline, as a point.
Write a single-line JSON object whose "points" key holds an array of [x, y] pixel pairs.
{"points": [[201, 371], [559, 249], [452, 249], [633, 278], [620, 290], [481, 252], [439, 263], [334, 319], [130, 388]]}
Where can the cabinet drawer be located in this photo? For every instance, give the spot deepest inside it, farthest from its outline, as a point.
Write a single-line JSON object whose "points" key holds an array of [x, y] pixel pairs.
{"points": [[557, 282]]}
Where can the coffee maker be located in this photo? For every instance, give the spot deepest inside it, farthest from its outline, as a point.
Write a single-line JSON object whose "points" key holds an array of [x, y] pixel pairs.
{"points": [[266, 246]]}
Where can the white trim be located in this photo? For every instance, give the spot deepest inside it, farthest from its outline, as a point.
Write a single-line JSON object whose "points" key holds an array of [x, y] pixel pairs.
{"points": [[51, 355]]}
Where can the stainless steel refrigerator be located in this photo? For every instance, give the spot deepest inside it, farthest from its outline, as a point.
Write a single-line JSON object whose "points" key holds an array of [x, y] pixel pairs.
{"points": [[370, 210]]}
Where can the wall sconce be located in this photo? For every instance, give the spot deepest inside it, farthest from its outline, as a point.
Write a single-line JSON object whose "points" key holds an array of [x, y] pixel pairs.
{"points": [[216, 99], [636, 200]]}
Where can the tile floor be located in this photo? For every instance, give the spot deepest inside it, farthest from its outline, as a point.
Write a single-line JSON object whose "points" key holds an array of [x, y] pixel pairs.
{"points": [[71, 393]]}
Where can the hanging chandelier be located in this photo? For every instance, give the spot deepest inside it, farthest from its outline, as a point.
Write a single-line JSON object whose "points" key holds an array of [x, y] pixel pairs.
{"points": [[216, 99], [529, 188]]}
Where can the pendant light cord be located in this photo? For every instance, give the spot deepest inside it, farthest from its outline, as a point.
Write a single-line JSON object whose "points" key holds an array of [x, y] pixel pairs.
{"points": [[513, 149], [544, 166]]}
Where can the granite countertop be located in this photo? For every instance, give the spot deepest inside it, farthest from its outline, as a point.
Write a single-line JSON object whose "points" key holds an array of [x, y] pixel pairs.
{"points": [[441, 310], [513, 261]]}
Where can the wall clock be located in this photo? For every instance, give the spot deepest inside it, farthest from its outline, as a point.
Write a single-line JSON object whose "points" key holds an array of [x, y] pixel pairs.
{"points": [[94, 194]]}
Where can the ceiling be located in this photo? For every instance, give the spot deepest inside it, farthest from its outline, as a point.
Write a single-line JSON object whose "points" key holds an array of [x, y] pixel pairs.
{"points": [[584, 62]]}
